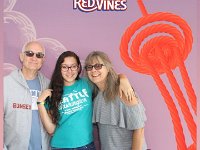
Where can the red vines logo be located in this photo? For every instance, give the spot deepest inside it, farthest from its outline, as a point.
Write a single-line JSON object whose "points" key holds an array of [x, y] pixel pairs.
{"points": [[100, 5]]}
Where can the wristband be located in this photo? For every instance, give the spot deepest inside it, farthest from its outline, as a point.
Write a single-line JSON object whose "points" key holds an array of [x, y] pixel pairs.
{"points": [[40, 103]]}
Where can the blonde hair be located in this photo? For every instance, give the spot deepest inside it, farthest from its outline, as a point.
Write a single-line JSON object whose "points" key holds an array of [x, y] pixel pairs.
{"points": [[112, 81]]}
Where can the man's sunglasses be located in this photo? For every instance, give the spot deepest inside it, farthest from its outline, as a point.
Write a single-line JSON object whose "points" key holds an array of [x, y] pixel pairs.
{"points": [[31, 54], [96, 66]]}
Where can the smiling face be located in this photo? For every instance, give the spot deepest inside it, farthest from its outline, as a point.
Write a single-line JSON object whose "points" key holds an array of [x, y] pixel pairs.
{"points": [[32, 63], [99, 75], [69, 70]]}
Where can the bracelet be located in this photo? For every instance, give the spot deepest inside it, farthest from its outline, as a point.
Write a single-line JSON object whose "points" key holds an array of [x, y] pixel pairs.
{"points": [[41, 103]]}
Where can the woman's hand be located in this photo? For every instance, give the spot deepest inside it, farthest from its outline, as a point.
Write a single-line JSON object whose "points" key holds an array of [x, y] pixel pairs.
{"points": [[44, 115], [46, 93], [126, 88]]}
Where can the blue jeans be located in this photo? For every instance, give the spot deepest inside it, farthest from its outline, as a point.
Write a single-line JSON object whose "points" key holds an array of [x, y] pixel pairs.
{"points": [[86, 147]]}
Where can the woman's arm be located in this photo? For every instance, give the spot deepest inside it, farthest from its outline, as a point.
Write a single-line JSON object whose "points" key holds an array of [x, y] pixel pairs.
{"points": [[138, 139], [138, 134], [45, 117], [125, 87]]}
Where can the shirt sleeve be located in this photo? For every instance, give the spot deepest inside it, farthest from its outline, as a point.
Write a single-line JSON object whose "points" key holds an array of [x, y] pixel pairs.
{"points": [[132, 117], [117, 113]]}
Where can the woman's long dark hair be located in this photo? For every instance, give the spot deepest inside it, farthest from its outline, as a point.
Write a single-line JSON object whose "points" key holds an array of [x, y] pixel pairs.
{"points": [[57, 83]]}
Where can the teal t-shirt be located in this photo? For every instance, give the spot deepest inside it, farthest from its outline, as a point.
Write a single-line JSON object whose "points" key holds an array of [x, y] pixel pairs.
{"points": [[75, 125]]}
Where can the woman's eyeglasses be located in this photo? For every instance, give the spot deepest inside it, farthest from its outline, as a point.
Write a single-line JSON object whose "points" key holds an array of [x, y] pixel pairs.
{"points": [[96, 66], [31, 54], [66, 68]]}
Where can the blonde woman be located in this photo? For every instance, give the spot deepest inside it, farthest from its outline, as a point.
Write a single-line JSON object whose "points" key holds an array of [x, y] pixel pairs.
{"points": [[120, 122]]}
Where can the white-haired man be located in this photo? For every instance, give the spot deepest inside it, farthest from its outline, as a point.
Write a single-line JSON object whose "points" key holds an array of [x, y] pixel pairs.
{"points": [[23, 129]]}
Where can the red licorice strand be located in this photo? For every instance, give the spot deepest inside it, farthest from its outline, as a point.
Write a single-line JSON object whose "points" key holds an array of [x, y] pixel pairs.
{"points": [[127, 39], [142, 7], [181, 23], [139, 39], [181, 100], [165, 25], [192, 147], [160, 17], [164, 62], [189, 88], [167, 17], [187, 83], [180, 139], [133, 64], [159, 40], [162, 42], [185, 77], [132, 29], [158, 28]]}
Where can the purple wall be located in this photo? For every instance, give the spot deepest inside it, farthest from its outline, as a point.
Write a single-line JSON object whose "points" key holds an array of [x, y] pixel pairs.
{"points": [[60, 27], [1, 74]]}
